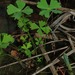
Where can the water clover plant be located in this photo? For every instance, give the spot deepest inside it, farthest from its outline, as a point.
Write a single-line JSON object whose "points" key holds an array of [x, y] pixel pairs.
{"points": [[47, 8], [41, 28], [18, 10]]}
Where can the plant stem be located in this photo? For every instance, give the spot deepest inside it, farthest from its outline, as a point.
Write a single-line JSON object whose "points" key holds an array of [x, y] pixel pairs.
{"points": [[32, 40]]}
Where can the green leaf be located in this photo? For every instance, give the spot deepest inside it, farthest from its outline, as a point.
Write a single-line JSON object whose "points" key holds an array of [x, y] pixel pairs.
{"points": [[33, 26], [39, 59], [7, 39], [57, 11], [40, 32], [45, 13], [27, 10], [42, 4], [17, 15], [25, 29], [23, 38], [20, 4], [38, 41], [20, 24], [42, 23], [11, 9], [25, 20], [29, 45], [24, 47], [46, 29], [54, 4], [28, 53], [4, 45]]}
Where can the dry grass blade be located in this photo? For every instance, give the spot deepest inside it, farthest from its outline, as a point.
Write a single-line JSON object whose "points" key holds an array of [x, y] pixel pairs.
{"points": [[33, 57], [30, 2], [53, 63]]}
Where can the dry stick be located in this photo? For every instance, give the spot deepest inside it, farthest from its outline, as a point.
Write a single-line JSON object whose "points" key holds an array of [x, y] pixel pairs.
{"points": [[63, 19], [51, 42], [54, 35], [33, 57], [53, 63], [52, 68], [67, 33], [58, 20], [71, 42], [67, 28], [30, 2]]}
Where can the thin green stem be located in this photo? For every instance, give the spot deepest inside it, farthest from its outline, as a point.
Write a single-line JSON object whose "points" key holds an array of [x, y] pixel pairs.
{"points": [[32, 40]]}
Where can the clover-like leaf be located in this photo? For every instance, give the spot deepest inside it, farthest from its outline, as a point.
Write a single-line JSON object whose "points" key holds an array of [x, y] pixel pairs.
{"points": [[33, 26], [42, 4], [29, 45], [4, 45], [40, 31], [7, 39], [20, 23], [23, 38], [42, 23], [27, 10], [17, 15], [57, 11], [46, 29], [20, 4], [54, 4], [45, 13], [28, 53], [11, 9], [47, 8], [24, 46], [38, 41]]}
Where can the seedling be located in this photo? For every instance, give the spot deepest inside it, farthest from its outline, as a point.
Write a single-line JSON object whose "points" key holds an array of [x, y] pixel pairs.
{"points": [[26, 48], [39, 59], [38, 41]]}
